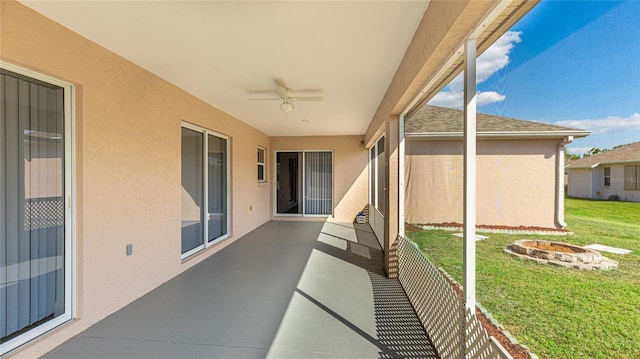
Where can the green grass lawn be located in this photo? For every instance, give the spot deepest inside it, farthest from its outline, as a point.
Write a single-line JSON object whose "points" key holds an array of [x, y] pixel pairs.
{"points": [[559, 312]]}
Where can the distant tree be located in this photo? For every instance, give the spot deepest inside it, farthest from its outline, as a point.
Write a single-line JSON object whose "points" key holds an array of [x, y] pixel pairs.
{"points": [[571, 157], [594, 151]]}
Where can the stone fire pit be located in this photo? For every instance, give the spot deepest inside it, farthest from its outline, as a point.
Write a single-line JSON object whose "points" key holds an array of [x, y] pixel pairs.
{"points": [[560, 254]]}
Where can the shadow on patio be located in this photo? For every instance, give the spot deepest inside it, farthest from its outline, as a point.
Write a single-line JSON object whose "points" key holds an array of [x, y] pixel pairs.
{"points": [[285, 290]]}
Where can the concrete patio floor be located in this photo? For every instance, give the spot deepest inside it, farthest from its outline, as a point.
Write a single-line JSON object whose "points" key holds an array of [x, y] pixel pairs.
{"points": [[285, 290]]}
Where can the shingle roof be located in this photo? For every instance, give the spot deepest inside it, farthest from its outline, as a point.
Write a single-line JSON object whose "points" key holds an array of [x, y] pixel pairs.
{"points": [[626, 153], [434, 119]]}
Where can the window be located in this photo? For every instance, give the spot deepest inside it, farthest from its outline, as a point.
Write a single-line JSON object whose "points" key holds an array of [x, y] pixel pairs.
{"points": [[261, 161], [377, 175], [205, 189], [372, 174], [632, 177], [381, 180], [304, 183], [607, 176], [35, 218]]}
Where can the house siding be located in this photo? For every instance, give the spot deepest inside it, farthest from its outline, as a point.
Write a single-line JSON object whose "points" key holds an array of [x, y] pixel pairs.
{"points": [[128, 153], [516, 182], [579, 183]]}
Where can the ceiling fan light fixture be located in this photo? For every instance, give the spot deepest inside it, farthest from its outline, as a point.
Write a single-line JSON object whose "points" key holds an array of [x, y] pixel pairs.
{"points": [[286, 107]]}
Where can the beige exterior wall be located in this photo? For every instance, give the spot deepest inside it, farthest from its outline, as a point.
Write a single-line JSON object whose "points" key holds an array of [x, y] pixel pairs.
{"points": [[128, 167], [579, 184], [516, 182], [350, 172]]}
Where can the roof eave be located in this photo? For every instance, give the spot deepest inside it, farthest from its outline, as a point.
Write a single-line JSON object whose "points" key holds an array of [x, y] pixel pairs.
{"points": [[500, 134], [588, 167]]}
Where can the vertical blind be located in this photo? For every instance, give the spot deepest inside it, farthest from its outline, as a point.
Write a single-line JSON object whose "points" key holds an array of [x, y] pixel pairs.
{"points": [[318, 168], [32, 239]]}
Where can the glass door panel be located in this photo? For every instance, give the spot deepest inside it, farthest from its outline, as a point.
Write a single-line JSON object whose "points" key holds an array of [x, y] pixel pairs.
{"points": [[288, 178], [217, 187], [32, 229], [318, 183], [192, 190]]}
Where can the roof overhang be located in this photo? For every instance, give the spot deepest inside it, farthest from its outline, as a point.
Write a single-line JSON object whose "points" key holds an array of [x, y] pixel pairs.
{"points": [[499, 135], [569, 167], [602, 164], [435, 54]]}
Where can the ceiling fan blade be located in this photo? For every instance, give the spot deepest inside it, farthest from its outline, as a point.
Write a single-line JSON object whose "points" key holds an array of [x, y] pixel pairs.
{"points": [[265, 99], [260, 92], [308, 90], [279, 82], [314, 98]]}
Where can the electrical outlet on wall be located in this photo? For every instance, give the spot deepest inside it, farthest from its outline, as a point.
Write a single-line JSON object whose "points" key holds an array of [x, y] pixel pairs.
{"points": [[129, 249]]}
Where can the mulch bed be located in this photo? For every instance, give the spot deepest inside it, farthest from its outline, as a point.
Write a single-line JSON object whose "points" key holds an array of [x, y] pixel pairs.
{"points": [[487, 226], [411, 228]]}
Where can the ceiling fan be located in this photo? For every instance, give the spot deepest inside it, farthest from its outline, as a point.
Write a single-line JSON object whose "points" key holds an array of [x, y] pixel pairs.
{"points": [[288, 98]]}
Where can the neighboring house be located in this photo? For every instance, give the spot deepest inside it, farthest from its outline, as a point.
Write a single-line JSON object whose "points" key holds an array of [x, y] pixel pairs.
{"points": [[610, 173], [519, 169]]}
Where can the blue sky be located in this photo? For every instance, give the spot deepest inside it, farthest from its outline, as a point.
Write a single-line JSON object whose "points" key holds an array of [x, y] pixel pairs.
{"points": [[571, 63]]}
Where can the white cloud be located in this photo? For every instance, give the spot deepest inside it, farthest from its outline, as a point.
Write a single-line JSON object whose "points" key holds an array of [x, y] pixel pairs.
{"points": [[496, 57], [604, 125], [485, 98], [453, 99], [491, 61], [578, 150], [450, 99]]}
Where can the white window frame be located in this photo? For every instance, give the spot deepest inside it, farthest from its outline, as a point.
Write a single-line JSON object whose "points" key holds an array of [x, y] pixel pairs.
{"points": [[262, 164], [373, 177], [606, 177], [634, 180], [205, 181], [275, 186], [69, 209]]}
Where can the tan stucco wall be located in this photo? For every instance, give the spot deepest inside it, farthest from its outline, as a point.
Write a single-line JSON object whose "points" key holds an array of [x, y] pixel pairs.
{"points": [[128, 166], [515, 182], [350, 177]]}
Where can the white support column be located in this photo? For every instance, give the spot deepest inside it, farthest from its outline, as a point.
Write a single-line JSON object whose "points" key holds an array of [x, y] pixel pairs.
{"points": [[401, 177], [469, 219]]}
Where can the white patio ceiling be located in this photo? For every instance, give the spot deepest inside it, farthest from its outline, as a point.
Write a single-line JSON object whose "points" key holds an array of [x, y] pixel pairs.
{"points": [[227, 52]]}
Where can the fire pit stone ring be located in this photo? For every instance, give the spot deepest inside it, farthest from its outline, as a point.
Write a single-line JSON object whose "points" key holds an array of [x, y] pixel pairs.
{"points": [[560, 254]]}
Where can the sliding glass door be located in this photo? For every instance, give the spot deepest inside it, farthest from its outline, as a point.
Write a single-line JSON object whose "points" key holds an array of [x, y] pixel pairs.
{"points": [[205, 179], [304, 183], [34, 236]]}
